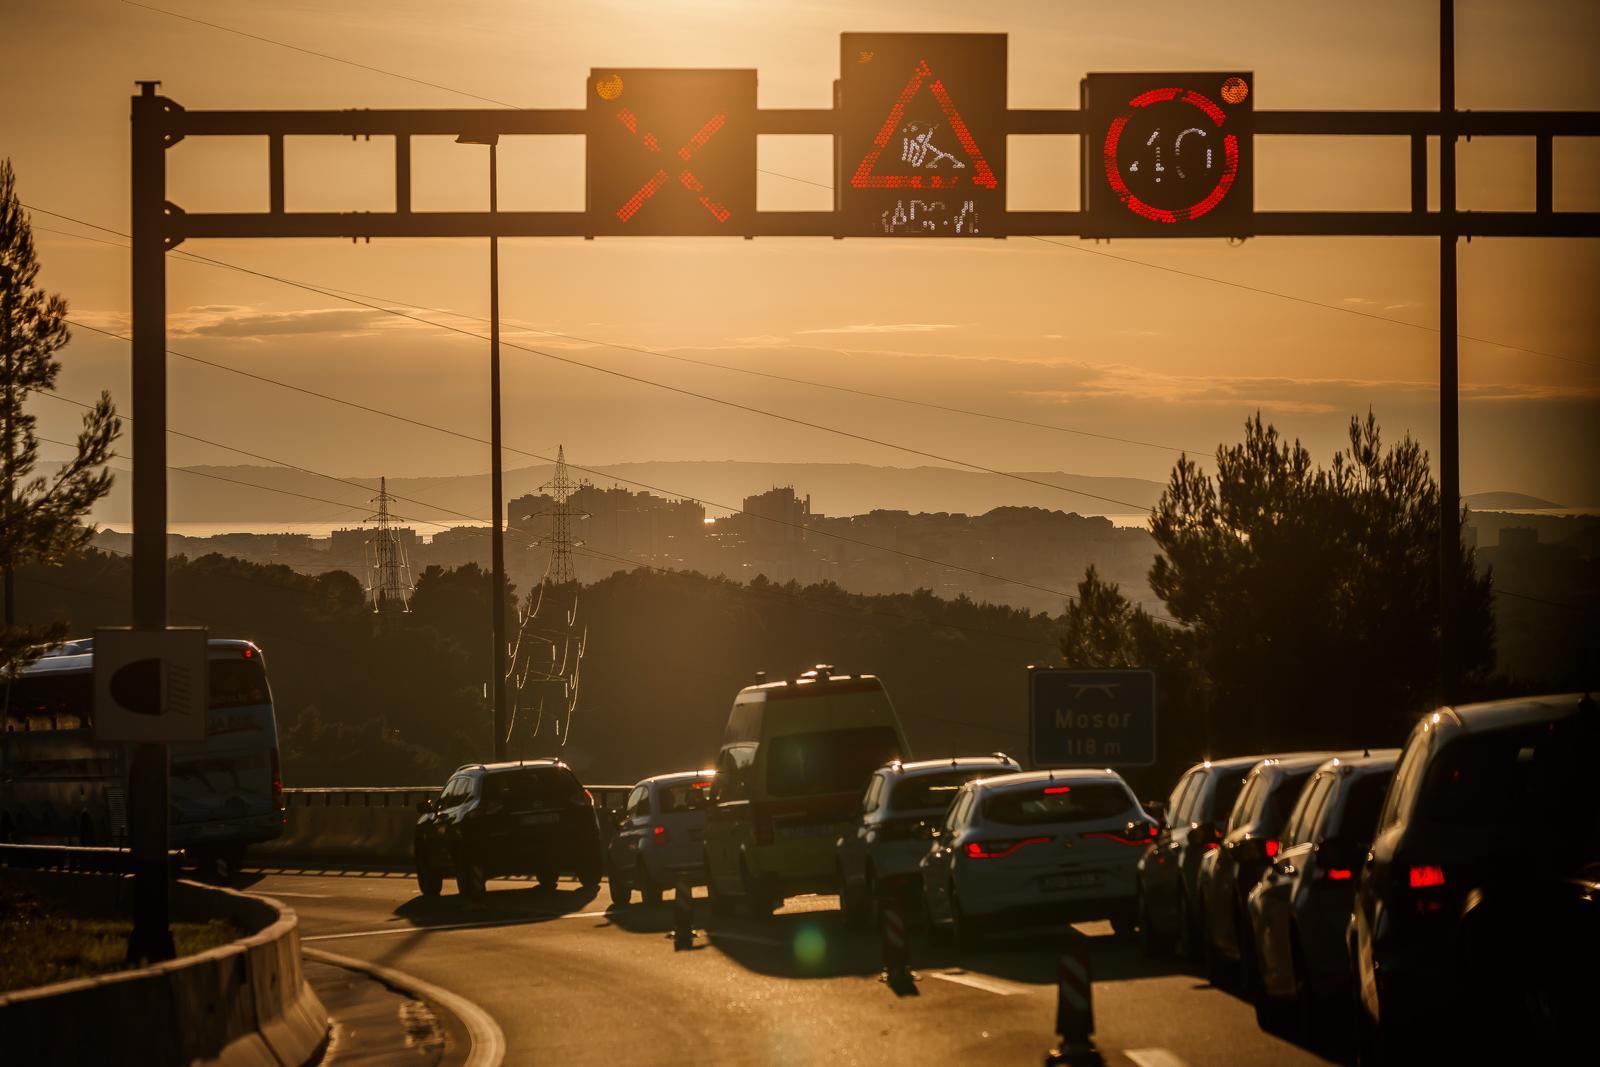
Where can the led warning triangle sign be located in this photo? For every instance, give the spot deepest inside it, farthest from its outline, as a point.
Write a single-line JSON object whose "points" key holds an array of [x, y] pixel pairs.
{"points": [[935, 150]]}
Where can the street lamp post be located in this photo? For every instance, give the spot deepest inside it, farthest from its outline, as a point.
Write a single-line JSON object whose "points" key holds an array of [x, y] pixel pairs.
{"points": [[497, 545]]}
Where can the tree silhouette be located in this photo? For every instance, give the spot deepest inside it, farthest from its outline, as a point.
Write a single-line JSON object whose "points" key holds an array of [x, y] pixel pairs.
{"points": [[1311, 593], [39, 516]]}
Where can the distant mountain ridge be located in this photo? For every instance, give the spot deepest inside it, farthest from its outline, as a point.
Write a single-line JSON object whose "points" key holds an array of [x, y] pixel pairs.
{"points": [[1502, 499], [210, 494]]}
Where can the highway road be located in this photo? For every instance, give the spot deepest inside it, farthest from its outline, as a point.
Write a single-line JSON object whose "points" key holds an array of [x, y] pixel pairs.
{"points": [[571, 980]]}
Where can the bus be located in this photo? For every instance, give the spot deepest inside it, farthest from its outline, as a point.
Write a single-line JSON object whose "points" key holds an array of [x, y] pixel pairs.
{"points": [[58, 785]]}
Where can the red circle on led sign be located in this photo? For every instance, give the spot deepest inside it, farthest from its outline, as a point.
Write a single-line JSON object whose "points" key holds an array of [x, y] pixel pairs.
{"points": [[1204, 111]]}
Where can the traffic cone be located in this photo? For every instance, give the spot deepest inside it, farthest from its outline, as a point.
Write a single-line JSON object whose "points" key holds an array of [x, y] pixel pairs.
{"points": [[892, 940], [1074, 1005], [683, 914]]}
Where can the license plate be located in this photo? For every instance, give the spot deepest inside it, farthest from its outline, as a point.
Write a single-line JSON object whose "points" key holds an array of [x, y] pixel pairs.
{"points": [[793, 832], [538, 818], [1075, 880]]}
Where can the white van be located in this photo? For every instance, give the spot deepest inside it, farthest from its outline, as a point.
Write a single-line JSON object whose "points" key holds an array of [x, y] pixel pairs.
{"points": [[795, 759]]}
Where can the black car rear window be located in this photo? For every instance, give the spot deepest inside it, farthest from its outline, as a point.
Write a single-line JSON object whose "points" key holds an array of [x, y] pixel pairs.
{"points": [[684, 796], [828, 761], [528, 787], [1228, 786], [1521, 775], [935, 792], [1281, 802], [1057, 803], [1358, 817]]}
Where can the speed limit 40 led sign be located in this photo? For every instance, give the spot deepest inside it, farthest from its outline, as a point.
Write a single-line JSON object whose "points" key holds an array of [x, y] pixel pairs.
{"points": [[1168, 155]]}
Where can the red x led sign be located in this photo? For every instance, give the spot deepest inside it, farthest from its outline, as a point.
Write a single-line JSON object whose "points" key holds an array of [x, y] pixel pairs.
{"points": [[1168, 155], [922, 135], [671, 152]]}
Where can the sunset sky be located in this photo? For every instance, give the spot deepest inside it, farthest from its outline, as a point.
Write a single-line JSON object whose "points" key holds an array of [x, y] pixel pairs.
{"points": [[1048, 332]]}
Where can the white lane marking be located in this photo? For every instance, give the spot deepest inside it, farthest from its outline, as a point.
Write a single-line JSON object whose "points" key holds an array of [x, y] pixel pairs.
{"points": [[998, 986], [1153, 1057], [488, 1042], [453, 926], [284, 893]]}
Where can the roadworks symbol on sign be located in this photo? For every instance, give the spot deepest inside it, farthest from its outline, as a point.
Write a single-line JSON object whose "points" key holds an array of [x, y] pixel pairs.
{"points": [[932, 144]]}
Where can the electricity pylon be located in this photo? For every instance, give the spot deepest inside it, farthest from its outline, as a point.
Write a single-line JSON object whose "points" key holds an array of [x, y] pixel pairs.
{"points": [[389, 585], [561, 487]]}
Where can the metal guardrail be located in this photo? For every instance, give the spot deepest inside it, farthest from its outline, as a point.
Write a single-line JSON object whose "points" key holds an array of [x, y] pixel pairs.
{"points": [[403, 796], [82, 859]]}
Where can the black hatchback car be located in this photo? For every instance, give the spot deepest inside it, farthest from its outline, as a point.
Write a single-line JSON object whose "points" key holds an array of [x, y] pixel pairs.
{"points": [[1248, 846], [1476, 926], [529, 817], [1170, 868]]}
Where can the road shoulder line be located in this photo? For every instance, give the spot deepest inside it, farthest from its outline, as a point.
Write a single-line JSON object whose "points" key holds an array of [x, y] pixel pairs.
{"points": [[488, 1042]]}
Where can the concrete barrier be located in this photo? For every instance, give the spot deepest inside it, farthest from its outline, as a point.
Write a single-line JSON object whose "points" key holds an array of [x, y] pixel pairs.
{"points": [[244, 1004], [371, 825]]}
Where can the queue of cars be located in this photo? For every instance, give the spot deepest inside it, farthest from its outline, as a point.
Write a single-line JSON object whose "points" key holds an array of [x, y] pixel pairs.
{"points": [[1463, 869], [1448, 891]]}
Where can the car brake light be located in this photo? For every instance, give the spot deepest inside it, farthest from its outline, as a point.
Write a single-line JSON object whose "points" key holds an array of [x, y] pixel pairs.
{"points": [[1272, 847], [1125, 839], [248, 653], [1212, 846], [994, 850], [661, 834], [277, 783], [1426, 877], [1058, 789], [1340, 874]]}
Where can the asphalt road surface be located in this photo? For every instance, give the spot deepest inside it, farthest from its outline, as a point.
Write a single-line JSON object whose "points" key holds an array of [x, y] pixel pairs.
{"points": [[571, 980]]}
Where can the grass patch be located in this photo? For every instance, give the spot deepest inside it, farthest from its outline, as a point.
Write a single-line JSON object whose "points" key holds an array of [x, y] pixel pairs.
{"points": [[44, 944]]}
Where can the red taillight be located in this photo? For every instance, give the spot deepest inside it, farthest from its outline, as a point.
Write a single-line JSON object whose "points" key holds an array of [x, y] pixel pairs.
{"points": [[1426, 877], [994, 850], [277, 783], [248, 653], [1057, 789], [1132, 838], [1272, 847], [1212, 846], [661, 834], [1340, 874]]}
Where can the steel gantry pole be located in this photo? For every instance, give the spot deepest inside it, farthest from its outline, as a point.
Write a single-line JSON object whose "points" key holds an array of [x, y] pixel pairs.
{"points": [[1450, 557], [497, 541], [151, 938]]}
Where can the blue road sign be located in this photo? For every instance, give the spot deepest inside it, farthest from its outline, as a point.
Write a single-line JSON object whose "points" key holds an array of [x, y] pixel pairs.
{"points": [[1101, 718]]}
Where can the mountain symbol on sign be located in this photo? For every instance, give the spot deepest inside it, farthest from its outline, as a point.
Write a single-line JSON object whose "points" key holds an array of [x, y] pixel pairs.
{"points": [[930, 145]]}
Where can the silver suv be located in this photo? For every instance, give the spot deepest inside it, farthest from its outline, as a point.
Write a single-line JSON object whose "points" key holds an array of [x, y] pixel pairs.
{"points": [[878, 858]]}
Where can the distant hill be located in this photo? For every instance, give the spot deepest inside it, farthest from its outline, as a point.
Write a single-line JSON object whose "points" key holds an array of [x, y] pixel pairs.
{"points": [[230, 494], [1501, 500]]}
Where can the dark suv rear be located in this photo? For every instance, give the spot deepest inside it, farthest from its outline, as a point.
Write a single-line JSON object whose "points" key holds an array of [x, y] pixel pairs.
{"points": [[529, 817], [1477, 916]]}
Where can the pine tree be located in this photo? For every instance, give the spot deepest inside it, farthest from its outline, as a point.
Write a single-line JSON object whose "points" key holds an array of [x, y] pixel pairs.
{"points": [[39, 515]]}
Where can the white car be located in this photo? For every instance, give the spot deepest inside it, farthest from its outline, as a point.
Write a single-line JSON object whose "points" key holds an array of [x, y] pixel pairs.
{"points": [[878, 857], [660, 834], [1044, 848]]}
